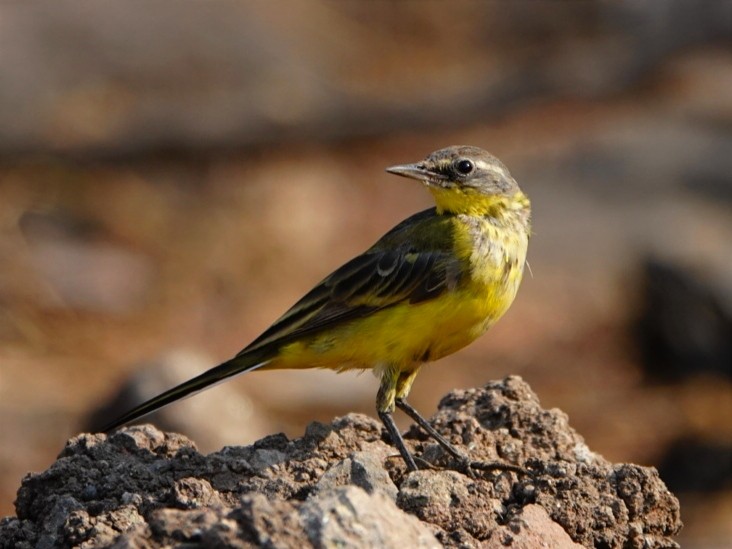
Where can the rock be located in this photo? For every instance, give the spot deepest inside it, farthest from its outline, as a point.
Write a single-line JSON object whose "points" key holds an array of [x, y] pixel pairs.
{"points": [[362, 469], [348, 517], [685, 326], [531, 528], [691, 464], [339, 485]]}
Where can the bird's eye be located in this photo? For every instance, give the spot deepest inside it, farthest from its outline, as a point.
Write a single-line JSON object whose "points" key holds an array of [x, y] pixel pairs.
{"points": [[464, 167]]}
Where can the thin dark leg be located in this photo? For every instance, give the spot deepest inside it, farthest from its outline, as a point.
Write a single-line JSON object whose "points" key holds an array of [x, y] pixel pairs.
{"points": [[397, 440], [464, 460], [404, 406]]}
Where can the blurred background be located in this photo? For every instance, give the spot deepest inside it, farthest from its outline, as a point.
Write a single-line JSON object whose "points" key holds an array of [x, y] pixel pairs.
{"points": [[173, 176]]}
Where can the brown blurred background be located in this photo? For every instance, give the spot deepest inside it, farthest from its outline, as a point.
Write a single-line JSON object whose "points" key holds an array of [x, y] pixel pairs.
{"points": [[174, 175]]}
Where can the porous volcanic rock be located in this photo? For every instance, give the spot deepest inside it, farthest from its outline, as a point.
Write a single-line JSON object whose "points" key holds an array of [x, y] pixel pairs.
{"points": [[341, 485]]}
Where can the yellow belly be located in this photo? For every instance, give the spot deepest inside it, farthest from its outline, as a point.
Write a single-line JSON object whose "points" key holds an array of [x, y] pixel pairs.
{"points": [[405, 335]]}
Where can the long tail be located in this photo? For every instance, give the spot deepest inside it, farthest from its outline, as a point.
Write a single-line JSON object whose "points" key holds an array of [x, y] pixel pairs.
{"points": [[240, 364]]}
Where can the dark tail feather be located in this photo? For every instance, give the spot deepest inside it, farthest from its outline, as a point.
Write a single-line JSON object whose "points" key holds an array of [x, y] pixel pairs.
{"points": [[237, 365]]}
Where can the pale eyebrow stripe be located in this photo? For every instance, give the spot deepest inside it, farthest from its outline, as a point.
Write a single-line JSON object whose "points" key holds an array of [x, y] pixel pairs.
{"points": [[490, 166]]}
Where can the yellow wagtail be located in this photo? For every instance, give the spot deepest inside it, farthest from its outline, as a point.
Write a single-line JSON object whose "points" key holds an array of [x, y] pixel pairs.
{"points": [[427, 288]]}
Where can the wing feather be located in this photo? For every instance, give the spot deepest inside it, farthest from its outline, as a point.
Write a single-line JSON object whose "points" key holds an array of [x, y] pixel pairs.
{"points": [[370, 282]]}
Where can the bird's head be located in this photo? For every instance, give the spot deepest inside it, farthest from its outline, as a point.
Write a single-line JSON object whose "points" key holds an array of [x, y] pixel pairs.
{"points": [[463, 179]]}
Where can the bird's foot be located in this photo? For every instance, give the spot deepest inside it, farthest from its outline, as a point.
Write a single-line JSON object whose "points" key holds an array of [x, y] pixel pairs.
{"points": [[498, 466], [472, 468], [465, 465]]}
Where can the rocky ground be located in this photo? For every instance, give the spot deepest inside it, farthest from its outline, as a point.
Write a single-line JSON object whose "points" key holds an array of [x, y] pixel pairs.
{"points": [[341, 485]]}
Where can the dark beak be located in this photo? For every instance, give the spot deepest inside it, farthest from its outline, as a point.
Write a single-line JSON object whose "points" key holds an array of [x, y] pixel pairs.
{"points": [[416, 171]]}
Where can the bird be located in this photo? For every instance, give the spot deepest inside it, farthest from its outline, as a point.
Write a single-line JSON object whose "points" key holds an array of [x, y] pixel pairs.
{"points": [[428, 287]]}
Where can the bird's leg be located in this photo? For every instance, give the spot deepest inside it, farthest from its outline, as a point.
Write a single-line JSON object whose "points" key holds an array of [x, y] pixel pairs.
{"points": [[385, 408], [466, 464], [392, 393], [403, 384], [405, 407], [397, 440]]}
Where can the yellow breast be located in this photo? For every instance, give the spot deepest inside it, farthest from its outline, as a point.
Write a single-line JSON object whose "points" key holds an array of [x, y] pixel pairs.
{"points": [[409, 334]]}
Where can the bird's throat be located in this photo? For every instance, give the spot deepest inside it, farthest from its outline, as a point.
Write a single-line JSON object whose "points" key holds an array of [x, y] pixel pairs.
{"points": [[473, 203]]}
